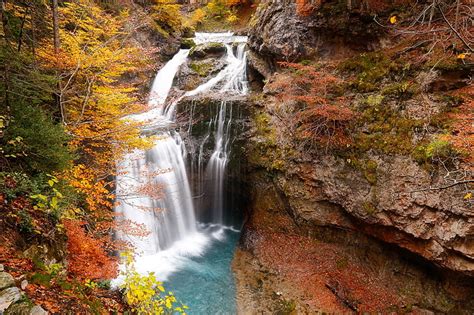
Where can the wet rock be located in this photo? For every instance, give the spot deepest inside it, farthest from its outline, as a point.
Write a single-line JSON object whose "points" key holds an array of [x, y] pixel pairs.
{"points": [[8, 297], [195, 72], [215, 50], [6, 280]]}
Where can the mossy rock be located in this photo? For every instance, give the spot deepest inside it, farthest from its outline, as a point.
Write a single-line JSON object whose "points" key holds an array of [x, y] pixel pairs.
{"points": [[203, 69], [187, 43], [207, 50]]}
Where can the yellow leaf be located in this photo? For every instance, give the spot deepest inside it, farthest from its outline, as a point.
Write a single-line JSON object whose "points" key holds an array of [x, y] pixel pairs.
{"points": [[468, 196], [462, 56], [393, 19]]}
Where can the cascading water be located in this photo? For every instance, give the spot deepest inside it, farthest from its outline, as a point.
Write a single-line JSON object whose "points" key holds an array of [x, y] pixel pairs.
{"points": [[168, 217], [153, 187]]}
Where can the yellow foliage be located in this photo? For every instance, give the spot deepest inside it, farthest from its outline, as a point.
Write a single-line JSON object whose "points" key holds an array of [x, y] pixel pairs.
{"points": [[167, 14], [197, 17], [144, 294], [393, 19], [92, 59]]}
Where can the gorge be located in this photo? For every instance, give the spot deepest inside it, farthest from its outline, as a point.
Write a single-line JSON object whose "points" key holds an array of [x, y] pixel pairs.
{"points": [[236, 157]]}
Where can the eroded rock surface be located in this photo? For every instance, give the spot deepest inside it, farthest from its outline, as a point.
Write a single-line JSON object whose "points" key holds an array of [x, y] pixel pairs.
{"points": [[374, 230]]}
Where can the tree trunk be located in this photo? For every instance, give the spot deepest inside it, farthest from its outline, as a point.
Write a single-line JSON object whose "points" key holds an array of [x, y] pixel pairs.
{"points": [[55, 26], [58, 94]]}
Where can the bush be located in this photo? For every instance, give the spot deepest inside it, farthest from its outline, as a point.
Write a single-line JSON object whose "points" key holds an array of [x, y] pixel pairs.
{"points": [[168, 16], [144, 294], [87, 256], [34, 141]]}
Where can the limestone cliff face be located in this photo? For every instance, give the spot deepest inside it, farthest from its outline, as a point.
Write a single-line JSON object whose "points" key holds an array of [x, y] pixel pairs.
{"points": [[277, 33], [382, 198]]}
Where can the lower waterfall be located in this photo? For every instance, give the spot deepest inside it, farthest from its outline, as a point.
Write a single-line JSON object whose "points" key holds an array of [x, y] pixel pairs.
{"points": [[153, 187]]}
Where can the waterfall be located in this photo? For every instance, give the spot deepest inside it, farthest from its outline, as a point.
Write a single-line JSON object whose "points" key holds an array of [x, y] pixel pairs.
{"points": [[153, 187]]}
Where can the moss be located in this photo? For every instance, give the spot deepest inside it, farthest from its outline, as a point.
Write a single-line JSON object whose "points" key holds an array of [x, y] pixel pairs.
{"points": [[369, 207], [370, 172], [286, 307], [369, 68], [437, 149], [401, 90], [41, 279], [203, 69], [265, 151], [187, 43], [384, 129], [342, 263]]}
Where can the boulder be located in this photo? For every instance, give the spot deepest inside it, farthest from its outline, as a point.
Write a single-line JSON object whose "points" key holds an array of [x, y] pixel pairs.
{"points": [[216, 50], [38, 310], [8, 297], [6, 280]]}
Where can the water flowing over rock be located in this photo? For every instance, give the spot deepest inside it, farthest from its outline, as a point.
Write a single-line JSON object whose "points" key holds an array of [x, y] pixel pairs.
{"points": [[153, 186]]}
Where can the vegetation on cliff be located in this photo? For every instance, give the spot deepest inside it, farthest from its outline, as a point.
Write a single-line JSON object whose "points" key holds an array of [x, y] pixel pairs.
{"points": [[71, 73]]}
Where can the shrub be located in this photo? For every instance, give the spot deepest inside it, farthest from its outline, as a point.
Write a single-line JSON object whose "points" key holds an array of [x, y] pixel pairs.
{"points": [[320, 116], [34, 141], [168, 16], [86, 255], [145, 294]]}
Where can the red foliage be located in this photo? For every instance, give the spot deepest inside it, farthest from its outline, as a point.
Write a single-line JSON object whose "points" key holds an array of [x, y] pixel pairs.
{"points": [[323, 117], [86, 255], [463, 128], [306, 7]]}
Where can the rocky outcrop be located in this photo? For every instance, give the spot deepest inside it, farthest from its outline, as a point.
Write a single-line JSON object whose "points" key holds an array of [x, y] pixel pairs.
{"points": [[278, 32], [12, 298]]}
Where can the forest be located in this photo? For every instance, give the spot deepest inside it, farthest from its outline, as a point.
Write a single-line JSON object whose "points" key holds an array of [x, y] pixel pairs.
{"points": [[236, 157]]}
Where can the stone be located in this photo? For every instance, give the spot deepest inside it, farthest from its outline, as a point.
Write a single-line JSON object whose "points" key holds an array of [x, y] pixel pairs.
{"points": [[24, 284], [6, 280], [208, 49], [38, 310], [2, 268], [8, 297], [281, 34]]}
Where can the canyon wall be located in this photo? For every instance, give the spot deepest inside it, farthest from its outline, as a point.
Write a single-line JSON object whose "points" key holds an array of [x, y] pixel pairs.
{"points": [[371, 227]]}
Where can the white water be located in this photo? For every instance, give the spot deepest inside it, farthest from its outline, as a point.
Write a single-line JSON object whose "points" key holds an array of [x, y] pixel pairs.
{"points": [[152, 186]]}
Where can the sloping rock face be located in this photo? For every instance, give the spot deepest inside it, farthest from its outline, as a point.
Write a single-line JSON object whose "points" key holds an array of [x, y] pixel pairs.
{"points": [[383, 221]]}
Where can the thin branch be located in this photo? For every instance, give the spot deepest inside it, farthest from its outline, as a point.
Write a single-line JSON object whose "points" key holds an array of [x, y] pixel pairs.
{"points": [[454, 30], [445, 187]]}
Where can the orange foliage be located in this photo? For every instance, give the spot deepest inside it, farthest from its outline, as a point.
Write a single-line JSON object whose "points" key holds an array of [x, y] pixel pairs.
{"points": [[324, 118], [306, 7], [87, 256], [232, 3]]}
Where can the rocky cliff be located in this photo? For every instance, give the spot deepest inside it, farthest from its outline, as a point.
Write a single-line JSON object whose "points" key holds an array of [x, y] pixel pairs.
{"points": [[379, 225]]}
